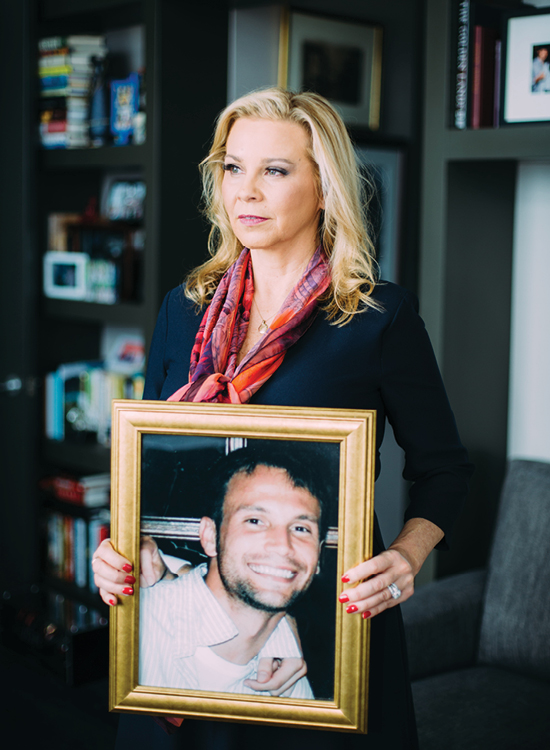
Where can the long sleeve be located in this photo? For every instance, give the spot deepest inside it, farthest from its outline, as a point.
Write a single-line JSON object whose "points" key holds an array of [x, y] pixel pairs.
{"points": [[418, 409]]}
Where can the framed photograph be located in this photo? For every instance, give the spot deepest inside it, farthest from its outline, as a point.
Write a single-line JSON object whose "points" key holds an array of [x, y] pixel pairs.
{"points": [[527, 69], [65, 275], [383, 169], [257, 512], [341, 60]]}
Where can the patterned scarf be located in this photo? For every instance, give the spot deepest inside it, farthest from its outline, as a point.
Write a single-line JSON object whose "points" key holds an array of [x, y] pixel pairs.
{"points": [[213, 373]]}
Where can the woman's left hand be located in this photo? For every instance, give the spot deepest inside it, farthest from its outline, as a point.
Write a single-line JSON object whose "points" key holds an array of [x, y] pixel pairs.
{"points": [[371, 594], [398, 565]]}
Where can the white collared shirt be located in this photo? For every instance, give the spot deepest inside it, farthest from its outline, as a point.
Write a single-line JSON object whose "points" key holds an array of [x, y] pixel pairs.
{"points": [[177, 618]]}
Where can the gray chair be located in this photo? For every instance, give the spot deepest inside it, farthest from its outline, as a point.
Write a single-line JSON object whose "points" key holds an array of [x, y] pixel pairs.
{"points": [[479, 642]]}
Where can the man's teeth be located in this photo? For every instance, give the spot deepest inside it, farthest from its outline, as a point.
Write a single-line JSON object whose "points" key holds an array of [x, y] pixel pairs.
{"points": [[267, 570]]}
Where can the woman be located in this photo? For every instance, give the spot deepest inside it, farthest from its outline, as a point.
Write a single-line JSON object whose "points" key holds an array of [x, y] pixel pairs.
{"points": [[288, 311]]}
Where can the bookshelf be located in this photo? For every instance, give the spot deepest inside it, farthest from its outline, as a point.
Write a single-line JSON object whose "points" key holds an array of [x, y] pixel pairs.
{"points": [[466, 239], [55, 331]]}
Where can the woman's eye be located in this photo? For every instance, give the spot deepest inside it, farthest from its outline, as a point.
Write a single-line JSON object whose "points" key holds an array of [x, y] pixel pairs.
{"points": [[275, 172], [231, 168]]}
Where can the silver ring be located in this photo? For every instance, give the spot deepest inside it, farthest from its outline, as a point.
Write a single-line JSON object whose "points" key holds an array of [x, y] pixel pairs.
{"points": [[395, 591]]}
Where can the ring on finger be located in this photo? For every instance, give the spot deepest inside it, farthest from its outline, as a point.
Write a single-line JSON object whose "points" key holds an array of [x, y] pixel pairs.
{"points": [[395, 591]]}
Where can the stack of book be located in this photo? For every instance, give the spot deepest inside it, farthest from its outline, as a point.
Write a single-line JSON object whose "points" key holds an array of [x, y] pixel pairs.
{"points": [[78, 400], [65, 69], [91, 491]]}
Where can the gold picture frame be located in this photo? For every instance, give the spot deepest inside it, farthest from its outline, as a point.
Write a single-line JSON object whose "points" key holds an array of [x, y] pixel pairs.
{"points": [[145, 436], [337, 58]]}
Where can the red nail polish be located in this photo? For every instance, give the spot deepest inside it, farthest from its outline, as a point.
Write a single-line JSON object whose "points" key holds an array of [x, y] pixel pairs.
{"points": [[128, 591], [127, 567], [343, 598], [365, 615], [112, 602], [129, 579], [352, 608], [345, 579]]}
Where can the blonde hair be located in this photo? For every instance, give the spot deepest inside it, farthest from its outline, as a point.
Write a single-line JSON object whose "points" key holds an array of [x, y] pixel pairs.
{"points": [[343, 231]]}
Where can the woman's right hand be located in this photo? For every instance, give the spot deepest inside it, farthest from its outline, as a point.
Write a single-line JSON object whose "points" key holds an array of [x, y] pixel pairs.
{"points": [[113, 573]]}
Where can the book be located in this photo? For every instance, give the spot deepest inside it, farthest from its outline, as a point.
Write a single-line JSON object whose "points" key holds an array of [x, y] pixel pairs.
{"points": [[483, 77], [462, 58]]}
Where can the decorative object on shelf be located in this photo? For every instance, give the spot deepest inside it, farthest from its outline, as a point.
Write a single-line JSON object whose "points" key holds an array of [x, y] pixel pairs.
{"points": [[341, 60], [125, 200], [162, 455], [527, 69], [384, 172], [124, 107], [65, 275]]}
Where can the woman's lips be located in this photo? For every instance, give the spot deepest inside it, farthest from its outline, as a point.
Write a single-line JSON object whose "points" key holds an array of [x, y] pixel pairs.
{"points": [[250, 221]]}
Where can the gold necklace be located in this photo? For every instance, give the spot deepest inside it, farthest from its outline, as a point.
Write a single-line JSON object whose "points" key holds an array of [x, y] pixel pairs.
{"points": [[263, 327]]}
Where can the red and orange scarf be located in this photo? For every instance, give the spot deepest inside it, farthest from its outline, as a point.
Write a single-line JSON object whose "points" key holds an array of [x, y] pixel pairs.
{"points": [[213, 373]]}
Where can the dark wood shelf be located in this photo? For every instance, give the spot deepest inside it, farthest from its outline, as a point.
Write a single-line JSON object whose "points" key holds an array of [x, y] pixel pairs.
{"points": [[124, 313], [94, 158], [79, 457]]}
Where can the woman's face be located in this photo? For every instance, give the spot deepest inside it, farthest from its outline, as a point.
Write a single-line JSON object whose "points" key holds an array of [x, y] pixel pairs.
{"points": [[269, 187]]}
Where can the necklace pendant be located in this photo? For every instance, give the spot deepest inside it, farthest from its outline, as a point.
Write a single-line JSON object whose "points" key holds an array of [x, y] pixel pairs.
{"points": [[263, 327]]}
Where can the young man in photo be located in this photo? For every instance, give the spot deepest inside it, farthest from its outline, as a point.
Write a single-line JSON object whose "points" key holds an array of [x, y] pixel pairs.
{"points": [[209, 628]]}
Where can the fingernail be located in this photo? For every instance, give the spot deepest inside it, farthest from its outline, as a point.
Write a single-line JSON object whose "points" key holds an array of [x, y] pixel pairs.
{"points": [[365, 615], [112, 602], [127, 567], [351, 608], [343, 598], [129, 579], [128, 591], [345, 579]]}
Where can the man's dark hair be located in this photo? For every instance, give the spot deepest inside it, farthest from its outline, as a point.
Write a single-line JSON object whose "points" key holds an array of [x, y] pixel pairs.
{"points": [[303, 470]]}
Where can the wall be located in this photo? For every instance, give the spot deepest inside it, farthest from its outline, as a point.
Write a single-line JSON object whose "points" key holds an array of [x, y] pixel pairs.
{"points": [[529, 404]]}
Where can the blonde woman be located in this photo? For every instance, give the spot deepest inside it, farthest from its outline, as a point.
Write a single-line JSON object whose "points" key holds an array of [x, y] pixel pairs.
{"points": [[288, 310]]}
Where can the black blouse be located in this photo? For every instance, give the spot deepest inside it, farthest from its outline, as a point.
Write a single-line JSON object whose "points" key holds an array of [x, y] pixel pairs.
{"points": [[380, 360]]}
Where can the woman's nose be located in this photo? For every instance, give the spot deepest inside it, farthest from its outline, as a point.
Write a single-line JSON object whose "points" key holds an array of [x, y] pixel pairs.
{"points": [[249, 188]]}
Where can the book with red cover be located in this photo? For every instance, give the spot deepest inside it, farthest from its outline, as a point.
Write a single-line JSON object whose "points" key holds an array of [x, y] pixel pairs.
{"points": [[483, 77]]}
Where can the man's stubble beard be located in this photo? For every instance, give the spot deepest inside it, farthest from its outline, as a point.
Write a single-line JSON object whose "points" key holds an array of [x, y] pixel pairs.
{"points": [[246, 593]]}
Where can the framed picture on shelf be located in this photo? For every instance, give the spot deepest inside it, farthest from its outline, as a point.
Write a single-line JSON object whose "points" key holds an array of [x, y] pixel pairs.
{"points": [[65, 275], [384, 173], [527, 69], [257, 512], [341, 60]]}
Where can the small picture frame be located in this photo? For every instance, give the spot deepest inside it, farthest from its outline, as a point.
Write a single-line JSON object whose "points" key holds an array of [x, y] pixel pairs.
{"points": [[65, 275], [341, 60], [258, 511], [527, 69]]}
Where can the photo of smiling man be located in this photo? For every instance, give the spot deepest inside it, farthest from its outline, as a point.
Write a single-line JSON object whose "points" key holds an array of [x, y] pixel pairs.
{"points": [[209, 627]]}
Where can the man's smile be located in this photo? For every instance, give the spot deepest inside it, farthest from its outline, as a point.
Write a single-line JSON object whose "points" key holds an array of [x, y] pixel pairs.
{"points": [[268, 570]]}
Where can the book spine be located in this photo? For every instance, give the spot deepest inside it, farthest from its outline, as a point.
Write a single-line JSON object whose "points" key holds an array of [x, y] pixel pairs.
{"points": [[496, 98], [461, 90], [476, 78], [80, 553]]}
